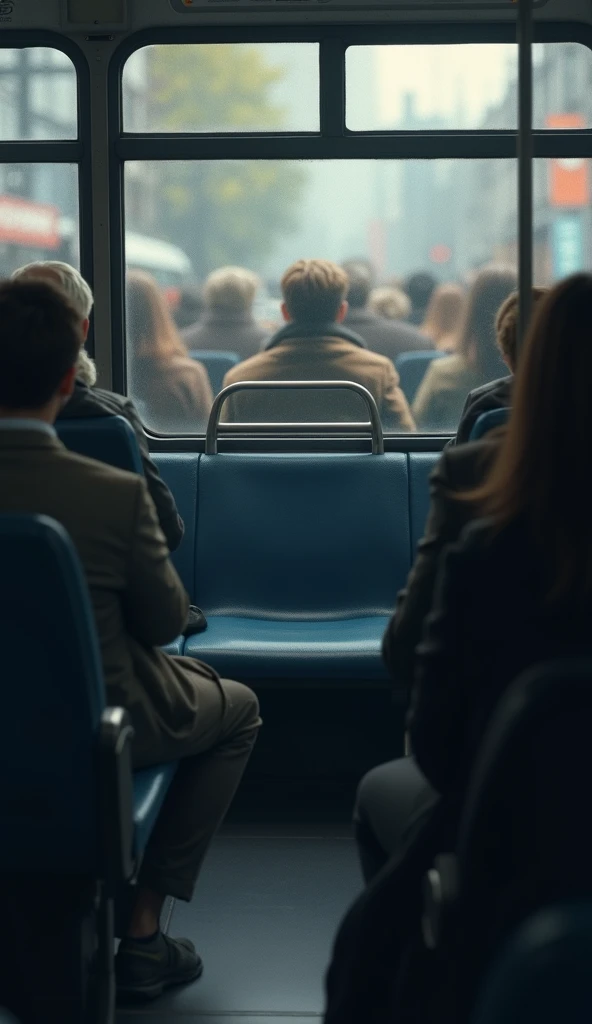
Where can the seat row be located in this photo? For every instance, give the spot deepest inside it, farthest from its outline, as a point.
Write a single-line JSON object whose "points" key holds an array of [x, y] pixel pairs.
{"points": [[295, 559]]}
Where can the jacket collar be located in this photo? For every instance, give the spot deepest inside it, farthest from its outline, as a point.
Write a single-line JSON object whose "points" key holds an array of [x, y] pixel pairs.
{"points": [[314, 330], [28, 436], [18, 424]]}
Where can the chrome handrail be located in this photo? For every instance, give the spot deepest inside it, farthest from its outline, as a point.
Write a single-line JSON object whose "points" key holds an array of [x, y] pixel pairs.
{"points": [[373, 426]]}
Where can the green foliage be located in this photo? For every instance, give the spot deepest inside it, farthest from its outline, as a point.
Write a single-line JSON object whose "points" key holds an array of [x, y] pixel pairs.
{"points": [[220, 212]]}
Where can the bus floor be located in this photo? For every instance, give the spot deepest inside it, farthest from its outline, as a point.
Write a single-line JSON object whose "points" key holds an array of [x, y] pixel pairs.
{"points": [[277, 880]]}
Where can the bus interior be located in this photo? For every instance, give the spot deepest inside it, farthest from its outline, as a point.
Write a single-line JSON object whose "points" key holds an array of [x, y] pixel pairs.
{"points": [[173, 137]]}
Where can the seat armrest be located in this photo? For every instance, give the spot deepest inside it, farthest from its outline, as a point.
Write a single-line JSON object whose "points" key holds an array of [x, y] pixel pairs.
{"points": [[440, 891], [116, 795]]}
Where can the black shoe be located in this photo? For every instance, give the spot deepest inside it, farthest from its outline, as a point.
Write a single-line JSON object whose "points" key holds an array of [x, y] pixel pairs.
{"points": [[144, 969]]}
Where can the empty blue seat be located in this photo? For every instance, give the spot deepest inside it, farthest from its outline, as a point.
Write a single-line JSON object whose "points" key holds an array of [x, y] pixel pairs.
{"points": [[489, 421], [411, 367], [298, 562], [217, 363], [543, 973], [109, 439]]}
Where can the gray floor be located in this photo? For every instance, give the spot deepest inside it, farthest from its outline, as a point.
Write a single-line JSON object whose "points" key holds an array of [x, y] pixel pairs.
{"points": [[265, 913]]}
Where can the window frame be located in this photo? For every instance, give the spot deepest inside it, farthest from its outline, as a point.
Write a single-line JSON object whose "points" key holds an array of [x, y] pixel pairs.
{"points": [[333, 141], [61, 151]]}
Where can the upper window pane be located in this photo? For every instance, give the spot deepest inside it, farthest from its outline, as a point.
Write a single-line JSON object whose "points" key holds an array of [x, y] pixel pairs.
{"points": [[38, 214], [463, 86], [37, 95], [222, 87]]}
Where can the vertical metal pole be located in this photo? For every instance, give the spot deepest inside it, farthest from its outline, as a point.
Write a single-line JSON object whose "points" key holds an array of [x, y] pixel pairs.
{"points": [[25, 118], [525, 165]]}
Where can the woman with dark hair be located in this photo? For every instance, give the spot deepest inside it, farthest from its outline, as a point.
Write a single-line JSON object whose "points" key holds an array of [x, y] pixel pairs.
{"points": [[529, 562], [532, 555], [172, 389], [441, 395]]}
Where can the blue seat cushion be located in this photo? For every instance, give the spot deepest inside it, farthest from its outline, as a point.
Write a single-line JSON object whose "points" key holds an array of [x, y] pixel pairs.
{"points": [[150, 788], [175, 646], [245, 648]]}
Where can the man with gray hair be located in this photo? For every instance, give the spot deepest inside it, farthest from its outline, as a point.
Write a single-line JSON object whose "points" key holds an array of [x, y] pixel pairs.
{"points": [[88, 400], [228, 323]]}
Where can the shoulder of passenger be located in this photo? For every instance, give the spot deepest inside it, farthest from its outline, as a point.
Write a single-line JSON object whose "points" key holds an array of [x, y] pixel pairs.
{"points": [[92, 473], [242, 370]]}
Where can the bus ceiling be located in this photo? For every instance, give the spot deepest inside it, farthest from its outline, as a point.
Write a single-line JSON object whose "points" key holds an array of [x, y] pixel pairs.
{"points": [[117, 17]]}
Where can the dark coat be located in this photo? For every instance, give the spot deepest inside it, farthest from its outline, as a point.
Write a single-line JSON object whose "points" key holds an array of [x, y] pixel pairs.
{"points": [[489, 397], [458, 469], [490, 621], [389, 338], [241, 334], [87, 401]]}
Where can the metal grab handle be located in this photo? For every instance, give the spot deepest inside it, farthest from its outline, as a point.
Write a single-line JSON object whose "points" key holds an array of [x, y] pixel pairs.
{"points": [[374, 425]]}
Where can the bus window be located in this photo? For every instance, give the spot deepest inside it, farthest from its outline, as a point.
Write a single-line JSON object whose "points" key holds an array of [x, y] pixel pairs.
{"points": [[37, 95], [38, 214], [186, 88], [423, 88], [409, 222]]}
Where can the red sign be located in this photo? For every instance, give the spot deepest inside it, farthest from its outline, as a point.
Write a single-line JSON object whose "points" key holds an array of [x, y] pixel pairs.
{"points": [[36, 225], [441, 254], [569, 184]]}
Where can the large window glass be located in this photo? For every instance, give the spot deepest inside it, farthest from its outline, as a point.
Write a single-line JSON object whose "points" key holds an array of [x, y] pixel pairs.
{"points": [[463, 86], [38, 214], [37, 95], [223, 87], [208, 240]]}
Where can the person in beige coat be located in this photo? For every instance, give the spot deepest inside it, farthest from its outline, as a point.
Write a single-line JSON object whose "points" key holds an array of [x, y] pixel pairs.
{"points": [[314, 345], [180, 709]]}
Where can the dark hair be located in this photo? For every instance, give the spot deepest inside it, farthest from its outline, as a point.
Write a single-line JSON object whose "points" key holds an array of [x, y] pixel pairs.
{"points": [[419, 288], [477, 341], [360, 283], [541, 470], [40, 339]]}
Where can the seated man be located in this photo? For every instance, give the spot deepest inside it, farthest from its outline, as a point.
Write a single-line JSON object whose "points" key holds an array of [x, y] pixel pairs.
{"points": [[387, 337], [227, 323], [179, 708], [497, 394], [314, 345], [88, 400]]}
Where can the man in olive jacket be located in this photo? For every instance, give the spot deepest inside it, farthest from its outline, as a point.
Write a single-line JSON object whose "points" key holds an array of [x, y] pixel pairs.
{"points": [[180, 709]]}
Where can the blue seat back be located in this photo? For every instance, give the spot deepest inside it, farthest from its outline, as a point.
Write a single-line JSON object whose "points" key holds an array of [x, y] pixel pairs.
{"points": [[489, 421], [301, 536], [52, 699], [411, 367], [109, 439], [216, 363], [543, 973]]}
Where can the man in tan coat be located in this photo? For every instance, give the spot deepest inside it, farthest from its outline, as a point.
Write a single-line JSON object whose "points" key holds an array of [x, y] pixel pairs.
{"points": [[314, 345], [179, 708]]}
